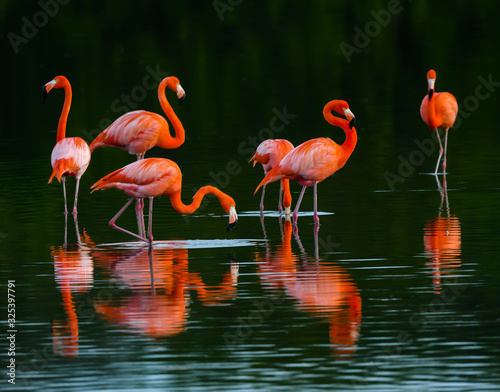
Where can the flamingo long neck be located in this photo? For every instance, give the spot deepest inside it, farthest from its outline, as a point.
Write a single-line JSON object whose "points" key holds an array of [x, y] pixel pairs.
{"points": [[432, 120], [182, 208], [61, 128], [166, 140], [351, 135]]}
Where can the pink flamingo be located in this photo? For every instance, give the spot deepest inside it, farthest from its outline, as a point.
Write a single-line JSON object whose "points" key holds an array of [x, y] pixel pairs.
{"points": [[154, 177], [438, 110], [71, 155], [317, 159], [269, 154]]}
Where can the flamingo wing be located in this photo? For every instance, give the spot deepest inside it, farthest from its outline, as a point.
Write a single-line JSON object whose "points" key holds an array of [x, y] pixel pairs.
{"points": [[145, 178], [136, 132], [70, 157]]}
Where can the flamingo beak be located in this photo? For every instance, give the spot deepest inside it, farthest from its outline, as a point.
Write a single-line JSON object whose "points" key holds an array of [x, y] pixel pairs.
{"points": [[47, 87], [181, 94], [350, 116], [233, 218], [431, 87]]}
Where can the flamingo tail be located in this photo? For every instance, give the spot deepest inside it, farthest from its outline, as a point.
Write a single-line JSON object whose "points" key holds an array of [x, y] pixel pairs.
{"points": [[275, 174]]}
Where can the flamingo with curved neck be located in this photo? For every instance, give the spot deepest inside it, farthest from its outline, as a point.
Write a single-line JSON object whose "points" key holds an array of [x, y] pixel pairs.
{"points": [[138, 131], [71, 155], [152, 177], [317, 159], [438, 110]]}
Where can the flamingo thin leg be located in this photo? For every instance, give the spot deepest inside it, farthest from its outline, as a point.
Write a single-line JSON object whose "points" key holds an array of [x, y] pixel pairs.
{"points": [[139, 212], [76, 196], [150, 223], [114, 226], [64, 193], [296, 212], [445, 148], [316, 218], [262, 199], [440, 150]]}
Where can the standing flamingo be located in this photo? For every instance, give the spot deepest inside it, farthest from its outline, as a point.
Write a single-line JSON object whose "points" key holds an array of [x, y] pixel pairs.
{"points": [[438, 110], [269, 153], [138, 131], [315, 160], [71, 155], [155, 177]]}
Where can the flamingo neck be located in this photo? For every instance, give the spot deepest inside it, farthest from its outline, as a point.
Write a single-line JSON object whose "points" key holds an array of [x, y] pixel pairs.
{"points": [[166, 140], [432, 120], [61, 128], [351, 136], [182, 208]]}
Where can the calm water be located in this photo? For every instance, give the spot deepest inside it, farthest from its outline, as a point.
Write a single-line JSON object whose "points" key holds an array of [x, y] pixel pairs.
{"points": [[397, 290]]}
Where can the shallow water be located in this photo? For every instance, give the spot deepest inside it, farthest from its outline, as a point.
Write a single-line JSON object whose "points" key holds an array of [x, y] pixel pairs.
{"points": [[396, 290]]}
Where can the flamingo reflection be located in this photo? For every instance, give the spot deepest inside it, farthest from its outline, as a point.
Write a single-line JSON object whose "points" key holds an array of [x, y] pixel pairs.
{"points": [[442, 240], [323, 290], [159, 282], [73, 268]]}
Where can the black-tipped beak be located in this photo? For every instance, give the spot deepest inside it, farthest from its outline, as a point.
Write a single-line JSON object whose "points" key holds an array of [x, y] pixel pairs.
{"points": [[44, 93], [181, 99], [231, 225], [351, 123], [431, 91]]}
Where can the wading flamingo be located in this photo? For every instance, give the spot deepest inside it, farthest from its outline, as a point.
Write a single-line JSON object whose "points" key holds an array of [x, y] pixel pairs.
{"points": [[155, 177], [139, 131], [71, 155], [438, 110], [269, 154], [315, 160]]}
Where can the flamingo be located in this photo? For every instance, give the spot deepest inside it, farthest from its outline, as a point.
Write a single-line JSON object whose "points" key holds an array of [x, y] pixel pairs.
{"points": [[154, 177], [71, 155], [138, 131], [269, 153], [438, 110], [316, 159]]}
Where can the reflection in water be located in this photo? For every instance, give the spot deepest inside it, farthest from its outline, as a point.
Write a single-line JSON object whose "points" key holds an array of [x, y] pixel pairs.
{"points": [[73, 268], [323, 290], [157, 305], [442, 240]]}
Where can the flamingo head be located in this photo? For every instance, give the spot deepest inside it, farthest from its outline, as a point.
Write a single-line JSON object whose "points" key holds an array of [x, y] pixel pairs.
{"points": [[342, 107], [174, 85], [431, 79], [58, 82], [229, 205]]}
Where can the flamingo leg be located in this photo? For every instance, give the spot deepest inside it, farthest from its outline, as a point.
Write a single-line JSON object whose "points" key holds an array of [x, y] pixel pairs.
{"points": [[114, 226], [280, 208], [139, 208], [64, 193], [262, 198], [316, 218], [296, 212], [150, 223], [440, 150], [445, 148], [76, 195]]}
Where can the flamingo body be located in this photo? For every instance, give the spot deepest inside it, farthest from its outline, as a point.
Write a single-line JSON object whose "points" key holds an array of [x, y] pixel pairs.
{"points": [[70, 156], [438, 110], [154, 177], [315, 160], [138, 131], [269, 154]]}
